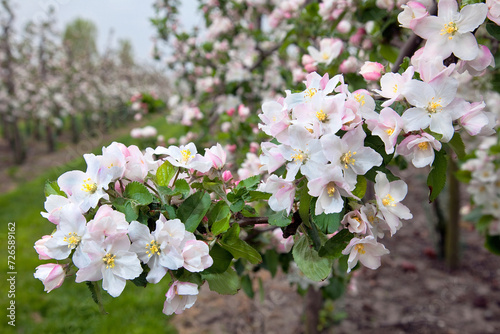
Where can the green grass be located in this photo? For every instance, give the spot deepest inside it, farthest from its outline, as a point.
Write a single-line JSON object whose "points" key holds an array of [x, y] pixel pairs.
{"points": [[68, 309]]}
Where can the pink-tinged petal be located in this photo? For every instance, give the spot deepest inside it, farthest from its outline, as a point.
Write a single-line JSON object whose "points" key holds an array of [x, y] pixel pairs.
{"points": [[70, 179], [418, 93], [428, 27], [465, 46], [52, 275], [127, 265], [382, 186], [441, 123], [92, 272], [471, 16], [416, 119], [157, 271], [114, 285], [369, 261]]}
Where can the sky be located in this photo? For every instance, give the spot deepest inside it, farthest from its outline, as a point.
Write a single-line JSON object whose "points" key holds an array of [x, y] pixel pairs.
{"points": [[127, 18]]}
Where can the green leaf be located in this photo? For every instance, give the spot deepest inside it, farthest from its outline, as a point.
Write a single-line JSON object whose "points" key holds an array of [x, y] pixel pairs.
{"points": [[280, 219], [52, 188], [307, 259], [250, 183], [389, 52], [246, 285], [182, 187], [492, 243], [305, 204], [327, 223], [218, 212], [141, 281], [457, 145], [493, 30], [221, 226], [193, 209], [222, 259], [360, 189], [238, 248], [165, 173], [126, 206], [138, 192], [483, 223], [237, 206], [335, 245], [258, 195], [226, 283], [437, 177]]}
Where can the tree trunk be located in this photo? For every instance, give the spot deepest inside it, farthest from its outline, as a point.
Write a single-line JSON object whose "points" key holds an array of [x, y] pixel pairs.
{"points": [[313, 305]]}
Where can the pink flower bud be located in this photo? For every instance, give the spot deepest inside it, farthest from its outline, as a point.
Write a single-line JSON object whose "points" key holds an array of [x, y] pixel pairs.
{"points": [[51, 274], [310, 68], [41, 249], [226, 175], [307, 59], [357, 37], [371, 71]]}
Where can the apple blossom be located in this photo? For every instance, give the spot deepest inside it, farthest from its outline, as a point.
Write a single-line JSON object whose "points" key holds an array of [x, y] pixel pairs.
{"points": [[52, 275], [451, 31], [330, 48], [196, 257], [111, 261], [387, 127], [371, 71], [283, 193], [389, 195], [419, 149], [180, 296], [413, 12], [365, 250]]}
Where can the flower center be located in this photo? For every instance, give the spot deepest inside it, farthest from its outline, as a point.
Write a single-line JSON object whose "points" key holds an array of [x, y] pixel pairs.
{"points": [[109, 260], [152, 248], [450, 28], [360, 98], [299, 156], [389, 131], [330, 189], [325, 56], [72, 239], [388, 200], [89, 186], [360, 248], [434, 107], [321, 116], [423, 146], [310, 92], [186, 155], [395, 88], [347, 159]]}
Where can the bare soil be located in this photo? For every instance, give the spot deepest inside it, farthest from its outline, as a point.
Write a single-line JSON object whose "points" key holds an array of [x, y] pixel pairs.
{"points": [[412, 292]]}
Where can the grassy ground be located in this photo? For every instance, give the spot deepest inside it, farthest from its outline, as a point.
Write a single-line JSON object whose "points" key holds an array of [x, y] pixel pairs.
{"points": [[70, 308]]}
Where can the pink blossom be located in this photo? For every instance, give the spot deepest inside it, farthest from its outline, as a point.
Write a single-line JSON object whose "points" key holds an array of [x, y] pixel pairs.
{"points": [[243, 112], [227, 175], [41, 249], [283, 193], [180, 296], [357, 37], [371, 71], [387, 127], [196, 257], [349, 65], [366, 250], [52, 275], [217, 155], [282, 245], [419, 149], [494, 10], [412, 13], [477, 66]]}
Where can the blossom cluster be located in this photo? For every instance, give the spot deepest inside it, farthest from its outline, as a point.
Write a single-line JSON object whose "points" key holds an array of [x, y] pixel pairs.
{"points": [[93, 229], [484, 182]]}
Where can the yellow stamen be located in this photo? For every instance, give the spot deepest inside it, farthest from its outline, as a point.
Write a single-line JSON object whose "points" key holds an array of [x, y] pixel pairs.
{"points": [[360, 98], [388, 200], [449, 28], [109, 260], [360, 248], [330, 188], [300, 156], [423, 146], [72, 239], [321, 116], [347, 159], [152, 248], [89, 186], [434, 107], [309, 93], [389, 131], [186, 155], [325, 56], [395, 88]]}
